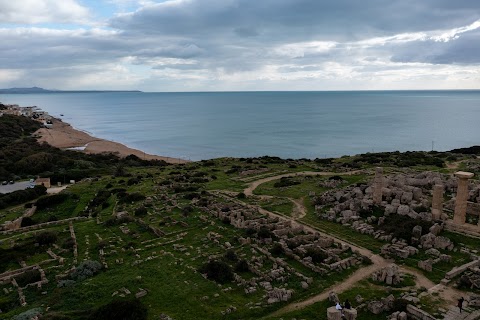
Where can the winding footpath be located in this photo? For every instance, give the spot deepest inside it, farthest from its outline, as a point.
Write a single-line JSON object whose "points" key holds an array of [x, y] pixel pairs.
{"points": [[447, 293]]}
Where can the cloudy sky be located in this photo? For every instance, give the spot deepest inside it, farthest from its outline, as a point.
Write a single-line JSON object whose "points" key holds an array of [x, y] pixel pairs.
{"points": [[218, 45]]}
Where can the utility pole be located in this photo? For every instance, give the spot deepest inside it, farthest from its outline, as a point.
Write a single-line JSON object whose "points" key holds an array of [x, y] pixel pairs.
{"points": [[433, 143]]}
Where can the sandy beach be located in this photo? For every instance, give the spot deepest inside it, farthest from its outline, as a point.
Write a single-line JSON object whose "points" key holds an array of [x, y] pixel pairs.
{"points": [[63, 135]]}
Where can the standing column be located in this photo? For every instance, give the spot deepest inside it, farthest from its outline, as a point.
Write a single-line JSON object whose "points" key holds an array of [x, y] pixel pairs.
{"points": [[462, 197], [437, 202], [378, 185]]}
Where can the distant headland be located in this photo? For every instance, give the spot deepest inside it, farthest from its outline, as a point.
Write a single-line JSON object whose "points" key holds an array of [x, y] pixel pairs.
{"points": [[41, 90]]}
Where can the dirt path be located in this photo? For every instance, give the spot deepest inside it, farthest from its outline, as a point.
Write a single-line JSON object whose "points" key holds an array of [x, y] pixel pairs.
{"points": [[299, 211], [337, 288], [253, 185], [454, 165]]}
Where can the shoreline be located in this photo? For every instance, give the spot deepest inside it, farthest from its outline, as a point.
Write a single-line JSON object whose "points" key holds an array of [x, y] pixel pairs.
{"points": [[62, 135]]}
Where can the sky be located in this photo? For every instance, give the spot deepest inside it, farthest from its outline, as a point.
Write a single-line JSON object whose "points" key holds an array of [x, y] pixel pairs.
{"points": [[240, 45]]}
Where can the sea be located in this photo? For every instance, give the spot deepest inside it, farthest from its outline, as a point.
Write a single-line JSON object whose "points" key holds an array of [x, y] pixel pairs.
{"points": [[205, 125]]}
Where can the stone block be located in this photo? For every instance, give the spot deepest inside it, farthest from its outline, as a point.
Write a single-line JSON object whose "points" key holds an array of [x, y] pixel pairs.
{"points": [[334, 314], [350, 314]]}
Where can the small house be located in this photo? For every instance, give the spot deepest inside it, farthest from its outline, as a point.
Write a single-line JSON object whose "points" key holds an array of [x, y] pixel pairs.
{"points": [[43, 182]]}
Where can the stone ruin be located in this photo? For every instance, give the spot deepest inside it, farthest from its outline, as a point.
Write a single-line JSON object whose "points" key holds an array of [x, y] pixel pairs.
{"points": [[296, 242], [398, 316], [405, 194], [409, 195], [471, 276], [390, 275], [379, 306]]}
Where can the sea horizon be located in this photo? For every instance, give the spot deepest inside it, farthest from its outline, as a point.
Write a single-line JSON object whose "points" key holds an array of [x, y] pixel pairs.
{"points": [[288, 124]]}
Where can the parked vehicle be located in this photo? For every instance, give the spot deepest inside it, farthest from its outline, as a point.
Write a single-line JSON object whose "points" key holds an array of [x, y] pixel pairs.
{"points": [[4, 183]]}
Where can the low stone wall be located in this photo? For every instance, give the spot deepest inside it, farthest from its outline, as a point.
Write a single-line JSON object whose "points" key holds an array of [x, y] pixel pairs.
{"points": [[42, 225], [418, 314], [469, 229], [458, 270]]}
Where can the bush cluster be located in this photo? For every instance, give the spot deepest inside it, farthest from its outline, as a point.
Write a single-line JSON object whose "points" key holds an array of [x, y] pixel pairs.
{"points": [[21, 196], [285, 182], [130, 197], [29, 314], [46, 238], [402, 226], [141, 211], [242, 266], [131, 309], [86, 269], [27, 277], [50, 201], [218, 271]]}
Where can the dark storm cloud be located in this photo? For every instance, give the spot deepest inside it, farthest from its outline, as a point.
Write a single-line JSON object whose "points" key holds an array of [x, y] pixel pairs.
{"points": [[214, 40], [278, 20], [463, 50]]}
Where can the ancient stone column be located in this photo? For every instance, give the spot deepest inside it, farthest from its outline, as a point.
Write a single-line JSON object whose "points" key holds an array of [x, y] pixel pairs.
{"points": [[334, 314], [350, 314], [378, 185], [462, 196], [437, 202]]}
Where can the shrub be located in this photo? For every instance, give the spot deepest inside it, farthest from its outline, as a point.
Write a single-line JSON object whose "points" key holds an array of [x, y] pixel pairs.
{"points": [[191, 196], [277, 249], [28, 277], [100, 198], [402, 226], [28, 315], [132, 309], [217, 271], [133, 181], [338, 178], [242, 266], [231, 255], [317, 255], [226, 220], [110, 222], [101, 244], [186, 210], [27, 221], [241, 195], [50, 201], [132, 197], [46, 238], [366, 260], [265, 233], [65, 283], [399, 305], [86, 269], [285, 182], [68, 243], [141, 211], [118, 190]]}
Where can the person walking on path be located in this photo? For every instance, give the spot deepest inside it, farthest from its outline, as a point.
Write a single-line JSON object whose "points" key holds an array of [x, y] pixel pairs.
{"points": [[460, 304]]}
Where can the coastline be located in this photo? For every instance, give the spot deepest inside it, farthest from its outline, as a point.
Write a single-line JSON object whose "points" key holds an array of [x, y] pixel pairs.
{"points": [[62, 135]]}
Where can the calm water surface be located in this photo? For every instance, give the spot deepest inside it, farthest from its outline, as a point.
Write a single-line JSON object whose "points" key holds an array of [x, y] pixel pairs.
{"points": [[285, 124]]}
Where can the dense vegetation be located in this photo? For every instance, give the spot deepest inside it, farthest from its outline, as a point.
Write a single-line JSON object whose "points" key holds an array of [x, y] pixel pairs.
{"points": [[21, 156], [21, 196]]}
